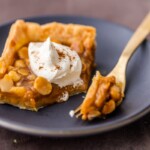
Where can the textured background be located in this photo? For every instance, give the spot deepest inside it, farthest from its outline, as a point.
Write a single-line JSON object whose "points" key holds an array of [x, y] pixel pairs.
{"points": [[126, 12]]}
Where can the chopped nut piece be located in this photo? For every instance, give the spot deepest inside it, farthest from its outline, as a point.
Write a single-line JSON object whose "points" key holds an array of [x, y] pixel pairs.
{"points": [[93, 114], [23, 53], [19, 91], [14, 75], [11, 68], [6, 83], [102, 94], [42, 86], [23, 71], [18, 83], [19, 63], [109, 107], [115, 93], [31, 77]]}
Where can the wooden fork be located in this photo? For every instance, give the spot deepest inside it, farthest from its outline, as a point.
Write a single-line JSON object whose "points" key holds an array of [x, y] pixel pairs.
{"points": [[119, 71]]}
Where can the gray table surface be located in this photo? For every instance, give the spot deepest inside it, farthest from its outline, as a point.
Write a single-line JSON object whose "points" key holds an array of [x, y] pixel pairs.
{"points": [[135, 136]]}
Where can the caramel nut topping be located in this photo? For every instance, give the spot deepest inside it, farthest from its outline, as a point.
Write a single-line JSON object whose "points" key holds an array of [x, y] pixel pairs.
{"points": [[102, 97]]}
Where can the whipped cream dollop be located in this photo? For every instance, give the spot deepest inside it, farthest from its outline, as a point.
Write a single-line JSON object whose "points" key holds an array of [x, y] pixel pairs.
{"points": [[55, 62]]}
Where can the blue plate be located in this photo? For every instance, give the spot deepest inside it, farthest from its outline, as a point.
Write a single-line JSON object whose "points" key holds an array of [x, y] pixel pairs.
{"points": [[54, 121]]}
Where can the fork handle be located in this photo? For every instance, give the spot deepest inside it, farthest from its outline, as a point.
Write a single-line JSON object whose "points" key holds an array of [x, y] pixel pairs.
{"points": [[137, 38], [140, 34]]}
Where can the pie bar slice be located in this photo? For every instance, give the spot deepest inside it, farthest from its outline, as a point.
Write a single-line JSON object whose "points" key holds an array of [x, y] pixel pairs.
{"points": [[19, 86]]}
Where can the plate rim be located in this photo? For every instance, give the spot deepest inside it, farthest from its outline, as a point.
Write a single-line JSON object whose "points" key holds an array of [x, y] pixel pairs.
{"points": [[71, 133]]}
